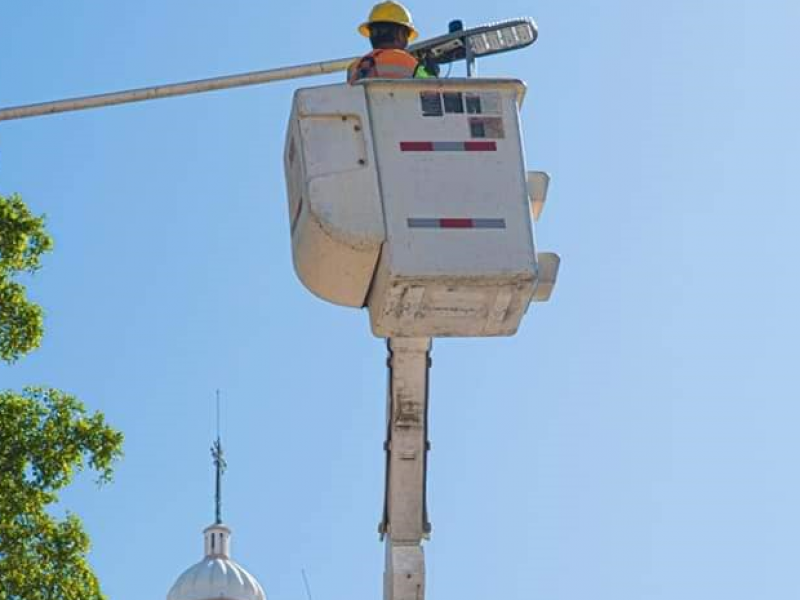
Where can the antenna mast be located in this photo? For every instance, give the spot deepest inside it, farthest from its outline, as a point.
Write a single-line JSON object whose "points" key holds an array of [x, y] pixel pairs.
{"points": [[220, 465], [305, 581]]}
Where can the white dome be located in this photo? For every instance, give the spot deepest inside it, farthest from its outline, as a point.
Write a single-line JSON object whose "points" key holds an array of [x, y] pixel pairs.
{"points": [[216, 577]]}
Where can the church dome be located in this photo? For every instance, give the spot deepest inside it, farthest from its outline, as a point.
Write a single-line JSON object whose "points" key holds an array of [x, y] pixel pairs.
{"points": [[216, 577]]}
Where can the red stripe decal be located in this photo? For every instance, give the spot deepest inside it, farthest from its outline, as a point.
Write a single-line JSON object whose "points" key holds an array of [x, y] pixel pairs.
{"points": [[456, 223], [416, 146], [480, 146]]}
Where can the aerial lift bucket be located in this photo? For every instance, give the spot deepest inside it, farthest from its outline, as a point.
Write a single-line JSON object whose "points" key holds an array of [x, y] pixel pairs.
{"points": [[411, 197]]}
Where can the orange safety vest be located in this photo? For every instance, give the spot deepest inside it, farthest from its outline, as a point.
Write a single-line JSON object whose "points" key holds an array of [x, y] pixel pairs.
{"points": [[386, 64]]}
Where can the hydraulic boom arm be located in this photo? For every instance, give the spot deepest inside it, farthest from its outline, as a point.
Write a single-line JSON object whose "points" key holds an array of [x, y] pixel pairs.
{"points": [[405, 519]]}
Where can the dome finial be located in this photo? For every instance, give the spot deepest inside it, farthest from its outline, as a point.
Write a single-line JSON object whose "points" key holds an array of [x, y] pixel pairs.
{"points": [[220, 464], [217, 575]]}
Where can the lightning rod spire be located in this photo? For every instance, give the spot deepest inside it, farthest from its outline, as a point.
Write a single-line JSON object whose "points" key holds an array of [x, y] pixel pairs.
{"points": [[220, 465]]}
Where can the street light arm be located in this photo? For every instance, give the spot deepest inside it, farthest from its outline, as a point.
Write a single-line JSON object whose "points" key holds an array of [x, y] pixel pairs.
{"points": [[175, 89], [483, 40]]}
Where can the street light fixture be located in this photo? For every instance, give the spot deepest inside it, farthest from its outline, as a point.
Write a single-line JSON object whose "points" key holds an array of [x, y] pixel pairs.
{"points": [[477, 42], [503, 37]]}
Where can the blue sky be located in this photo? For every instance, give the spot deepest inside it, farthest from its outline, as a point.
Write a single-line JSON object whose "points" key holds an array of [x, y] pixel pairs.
{"points": [[636, 440]]}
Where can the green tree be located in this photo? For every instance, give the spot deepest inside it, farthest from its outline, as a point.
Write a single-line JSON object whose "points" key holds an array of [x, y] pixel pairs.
{"points": [[46, 437], [23, 240]]}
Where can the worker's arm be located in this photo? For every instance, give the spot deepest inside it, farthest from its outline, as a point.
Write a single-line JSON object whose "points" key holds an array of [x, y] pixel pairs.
{"points": [[423, 73], [426, 68]]}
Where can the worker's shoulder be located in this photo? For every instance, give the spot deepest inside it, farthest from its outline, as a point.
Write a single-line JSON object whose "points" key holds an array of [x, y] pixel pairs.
{"points": [[397, 54], [394, 55]]}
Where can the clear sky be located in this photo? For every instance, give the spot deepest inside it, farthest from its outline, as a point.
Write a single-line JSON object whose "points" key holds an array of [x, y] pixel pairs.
{"points": [[636, 440]]}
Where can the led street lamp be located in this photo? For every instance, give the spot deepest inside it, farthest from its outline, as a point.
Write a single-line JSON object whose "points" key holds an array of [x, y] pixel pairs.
{"points": [[484, 40]]}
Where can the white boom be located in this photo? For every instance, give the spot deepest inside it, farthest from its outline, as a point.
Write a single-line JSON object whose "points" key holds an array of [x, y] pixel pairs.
{"points": [[405, 519]]}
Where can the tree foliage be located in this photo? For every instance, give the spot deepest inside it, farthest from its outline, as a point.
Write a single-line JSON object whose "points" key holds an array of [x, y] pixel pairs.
{"points": [[46, 437], [23, 240]]}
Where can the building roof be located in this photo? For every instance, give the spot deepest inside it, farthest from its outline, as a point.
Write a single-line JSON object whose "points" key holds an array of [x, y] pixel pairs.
{"points": [[216, 577]]}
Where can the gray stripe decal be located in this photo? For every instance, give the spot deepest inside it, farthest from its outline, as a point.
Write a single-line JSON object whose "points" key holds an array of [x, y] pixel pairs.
{"points": [[489, 223], [424, 223]]}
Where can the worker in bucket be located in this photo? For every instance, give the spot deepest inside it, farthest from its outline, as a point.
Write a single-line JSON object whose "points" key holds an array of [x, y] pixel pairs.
{"points": [[390, 29]]}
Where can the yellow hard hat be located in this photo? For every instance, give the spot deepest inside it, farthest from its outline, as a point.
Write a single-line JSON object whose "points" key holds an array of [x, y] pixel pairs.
{"points": [[389, 12]]}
